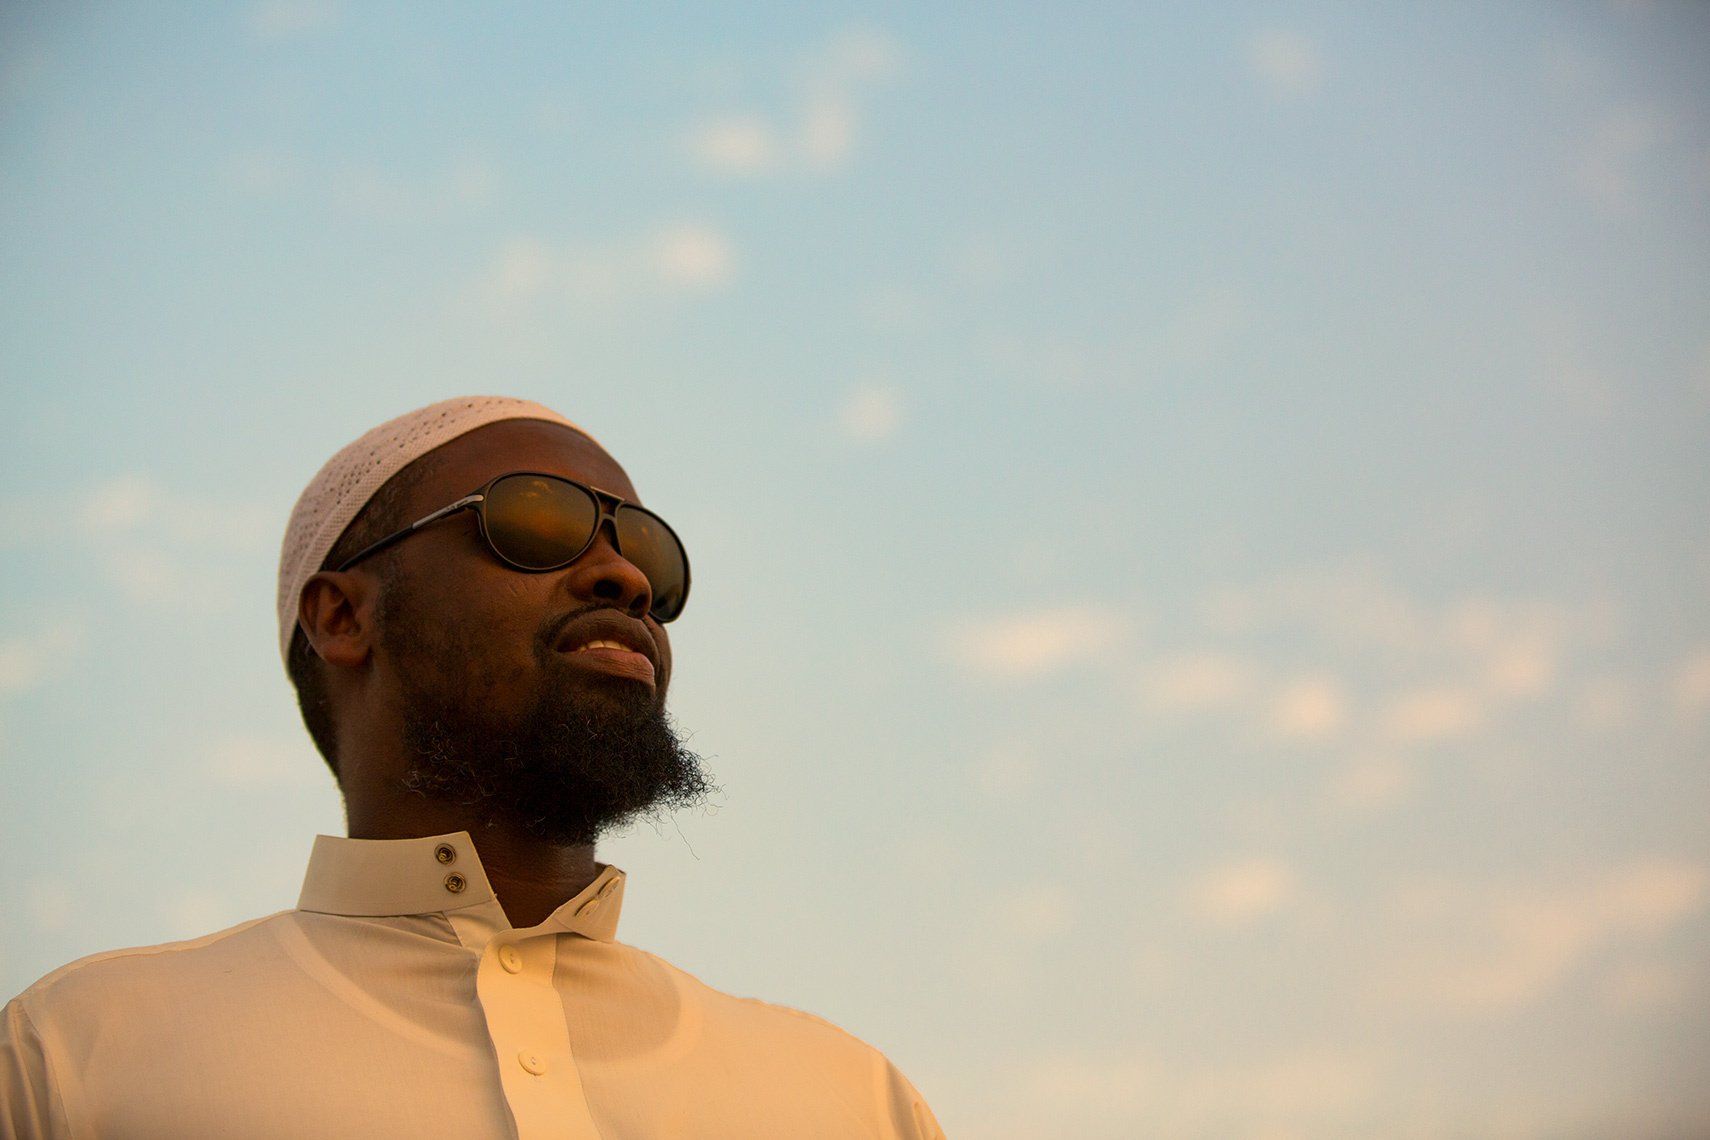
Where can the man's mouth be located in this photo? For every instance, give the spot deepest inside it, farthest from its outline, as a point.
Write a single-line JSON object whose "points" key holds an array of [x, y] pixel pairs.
{"points": [[611, 657]]}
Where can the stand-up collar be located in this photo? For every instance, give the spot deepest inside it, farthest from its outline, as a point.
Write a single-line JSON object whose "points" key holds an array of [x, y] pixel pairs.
{"points": [[434, 874]]}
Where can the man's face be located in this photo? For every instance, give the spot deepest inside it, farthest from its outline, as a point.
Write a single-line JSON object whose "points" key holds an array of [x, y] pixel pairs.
{"points": [[498, 714]]}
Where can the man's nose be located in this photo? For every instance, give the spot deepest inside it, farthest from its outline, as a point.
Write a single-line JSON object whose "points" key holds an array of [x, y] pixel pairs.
{"points": [[603, 572]]}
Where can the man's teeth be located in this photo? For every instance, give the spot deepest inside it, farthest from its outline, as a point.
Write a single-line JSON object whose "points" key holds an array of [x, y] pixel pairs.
{"points": [[601, 645]]}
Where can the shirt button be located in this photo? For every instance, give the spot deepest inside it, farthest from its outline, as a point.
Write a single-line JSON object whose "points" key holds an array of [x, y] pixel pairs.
{"points": [[445, 853], [455, 883], [510, 959], [532, 1061]]}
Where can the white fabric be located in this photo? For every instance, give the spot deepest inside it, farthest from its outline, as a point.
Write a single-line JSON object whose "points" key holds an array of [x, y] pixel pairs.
{"points": [[345, 483], [388, 1005]]}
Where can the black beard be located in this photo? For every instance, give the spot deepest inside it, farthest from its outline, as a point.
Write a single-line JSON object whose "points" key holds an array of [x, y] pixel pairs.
{"points": [[574, 765], [567, 771]]}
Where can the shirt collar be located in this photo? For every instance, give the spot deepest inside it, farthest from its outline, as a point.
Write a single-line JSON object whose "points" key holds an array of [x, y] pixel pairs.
{"points": [[436, 874]]}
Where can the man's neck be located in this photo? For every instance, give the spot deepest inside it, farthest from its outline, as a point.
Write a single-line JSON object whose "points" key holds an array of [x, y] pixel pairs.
{"points": [[532, 878]]}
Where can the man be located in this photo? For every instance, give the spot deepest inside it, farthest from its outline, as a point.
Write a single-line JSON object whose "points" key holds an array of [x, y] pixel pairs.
{"points": [[471, 607]]}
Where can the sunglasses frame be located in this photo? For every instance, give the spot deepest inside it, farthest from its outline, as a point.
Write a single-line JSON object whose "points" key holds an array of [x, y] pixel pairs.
{"points": [[606, 503]]}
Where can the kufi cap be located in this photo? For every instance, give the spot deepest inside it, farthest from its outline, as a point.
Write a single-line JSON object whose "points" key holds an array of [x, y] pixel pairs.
{"points": [[345, 483]]}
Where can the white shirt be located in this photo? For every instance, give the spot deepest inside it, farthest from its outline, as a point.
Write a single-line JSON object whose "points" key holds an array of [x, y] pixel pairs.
{"points": [[397, 1000]]}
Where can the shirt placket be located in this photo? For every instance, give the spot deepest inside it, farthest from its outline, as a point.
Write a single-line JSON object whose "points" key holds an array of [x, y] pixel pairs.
{"points": [[525, 1020]]}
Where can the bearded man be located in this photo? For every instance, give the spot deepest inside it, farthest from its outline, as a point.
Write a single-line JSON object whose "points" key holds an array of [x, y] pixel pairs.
{"points": [[472, 608]]}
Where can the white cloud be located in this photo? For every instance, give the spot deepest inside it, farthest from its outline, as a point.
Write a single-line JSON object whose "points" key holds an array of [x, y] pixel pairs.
{"points": [[1008, 771], [820, 131], [49, 905], [1692, 687], [290, 19], [857, 55], [692, 257], [1288, 64], [249, 760], [1038, 912], [1196, 683], [828, 132], [121, 510], [1642, 986], [1428, 715], [737, 144], [1242, 892], [146, 575], [870, 413], [459, 186], [191, 913], [1604, 703], [1310, 709], [1304, 1089], [522, 271], [140, 533], [1612, 157], [1200, 332], [1527, 942], [123, 502], [527, 274], [1031, 645], [265, 172], [1369, 786], [32, 659]]}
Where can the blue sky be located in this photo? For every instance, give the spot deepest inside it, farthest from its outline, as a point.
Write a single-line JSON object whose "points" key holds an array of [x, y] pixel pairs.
{"points": [[1197, 513]]}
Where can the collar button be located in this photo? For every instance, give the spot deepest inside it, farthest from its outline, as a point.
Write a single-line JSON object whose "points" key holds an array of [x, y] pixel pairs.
{"points": [[445, 853], [455, 883]]}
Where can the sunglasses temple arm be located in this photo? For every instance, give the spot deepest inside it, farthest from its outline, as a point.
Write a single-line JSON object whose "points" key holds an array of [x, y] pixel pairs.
{"points": [[399, 536]]}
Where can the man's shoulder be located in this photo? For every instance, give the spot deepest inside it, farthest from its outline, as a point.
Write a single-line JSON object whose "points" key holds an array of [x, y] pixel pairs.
{"points": [[758, 1014], [804, 1050], [102, 976]]}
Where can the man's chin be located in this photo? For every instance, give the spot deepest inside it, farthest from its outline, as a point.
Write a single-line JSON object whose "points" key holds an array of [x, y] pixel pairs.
{"points": [[585, 759]]}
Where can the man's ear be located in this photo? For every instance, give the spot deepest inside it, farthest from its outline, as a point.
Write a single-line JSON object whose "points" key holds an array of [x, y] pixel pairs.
{"points": [[337, 612]]}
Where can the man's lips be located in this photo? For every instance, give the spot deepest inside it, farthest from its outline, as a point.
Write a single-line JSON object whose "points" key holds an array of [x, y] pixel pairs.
{"points": [[611, 642], [623, 662]]}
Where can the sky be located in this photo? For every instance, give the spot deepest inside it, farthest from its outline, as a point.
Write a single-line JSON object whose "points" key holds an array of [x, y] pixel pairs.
{"points": [[1198, 512]]}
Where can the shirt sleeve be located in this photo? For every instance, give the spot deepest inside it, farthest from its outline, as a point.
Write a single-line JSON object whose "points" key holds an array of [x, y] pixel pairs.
{"points": [[30, 1105], [911, 1119]]}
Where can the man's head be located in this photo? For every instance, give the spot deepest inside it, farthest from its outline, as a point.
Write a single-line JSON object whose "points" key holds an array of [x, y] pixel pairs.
{"points": [[433, 676]]}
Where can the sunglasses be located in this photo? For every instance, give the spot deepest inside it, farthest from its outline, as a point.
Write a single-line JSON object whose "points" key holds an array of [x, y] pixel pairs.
{"points": [[536, 522]]}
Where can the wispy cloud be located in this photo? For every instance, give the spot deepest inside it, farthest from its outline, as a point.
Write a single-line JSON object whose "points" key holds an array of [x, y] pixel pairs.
{"points": [[49, 905], [1197, 683], [43, 655], [291, 19], [821, 130], [1368, 786], [1038, 911], [737, 144], [1612, 162], [1286, 63], [142, 533], [1691, 684], [1035, 644], [1310, 709], [1427, 715], [527, 274], [870, 413], [1010, 770], [463, 184], [249, 760], [1519, 944], [1243, 891], [1139, 1092]]}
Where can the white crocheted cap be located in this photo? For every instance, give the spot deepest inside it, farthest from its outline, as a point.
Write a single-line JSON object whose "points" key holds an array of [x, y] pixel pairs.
{"points": [[345, 483]]}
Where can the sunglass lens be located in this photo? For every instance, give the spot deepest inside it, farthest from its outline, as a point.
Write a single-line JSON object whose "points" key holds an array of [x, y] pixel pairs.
{"points": [[655, 550], [539, 523]]}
